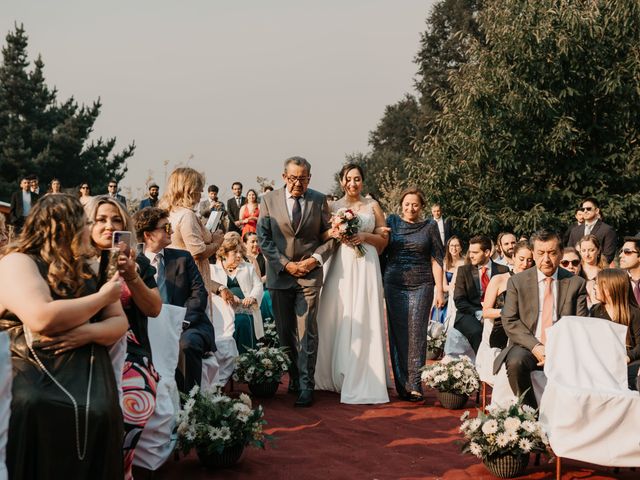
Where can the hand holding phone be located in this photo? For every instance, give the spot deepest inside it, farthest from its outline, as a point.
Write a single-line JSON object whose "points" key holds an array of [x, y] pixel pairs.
{"points": [[122, 239]]}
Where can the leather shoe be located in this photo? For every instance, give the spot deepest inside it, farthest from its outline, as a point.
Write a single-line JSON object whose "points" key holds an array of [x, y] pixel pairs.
{"points": [[294, 387], [305, 399]]}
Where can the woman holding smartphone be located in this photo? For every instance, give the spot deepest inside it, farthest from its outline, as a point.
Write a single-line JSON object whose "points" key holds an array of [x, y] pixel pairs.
{"points": [[140, 300]]}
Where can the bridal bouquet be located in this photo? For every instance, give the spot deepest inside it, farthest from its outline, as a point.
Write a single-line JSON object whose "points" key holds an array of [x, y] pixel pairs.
{"points": [[348, 224]]}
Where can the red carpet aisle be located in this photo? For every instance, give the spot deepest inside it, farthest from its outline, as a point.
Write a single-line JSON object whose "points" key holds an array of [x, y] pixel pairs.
{"points": [[400, 440]]}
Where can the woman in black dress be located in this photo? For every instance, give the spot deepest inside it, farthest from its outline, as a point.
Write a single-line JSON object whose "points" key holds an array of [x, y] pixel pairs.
{"points": [[618, 304], [65, 418], [413, 270]]}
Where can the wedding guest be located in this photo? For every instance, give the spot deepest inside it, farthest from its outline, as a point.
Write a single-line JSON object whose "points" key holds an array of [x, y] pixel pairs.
{"points": [[259, 262], [453, 258], [49, 294], [112, 192], [412, 273], [472, 281], [180, 284], [579, 215], [529, 310], [182, 194], [497, 289], [617, 303], [84, 194], [244, 283], [571, 261], [140, 299], [505, 246], [630, 262], [152, 198], [212, 203], [249, 213], [593, 225], [22, 202], [34, 184], [233, 207], [55, 186], [592, 263], [444, 225]]}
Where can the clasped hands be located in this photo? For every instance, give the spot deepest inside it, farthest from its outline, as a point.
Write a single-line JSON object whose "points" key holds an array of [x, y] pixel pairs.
{"points": [[539, 353], [301, 268]]}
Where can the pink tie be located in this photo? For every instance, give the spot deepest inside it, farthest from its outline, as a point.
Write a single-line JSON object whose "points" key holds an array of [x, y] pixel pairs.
{"points": [[547, 309]]}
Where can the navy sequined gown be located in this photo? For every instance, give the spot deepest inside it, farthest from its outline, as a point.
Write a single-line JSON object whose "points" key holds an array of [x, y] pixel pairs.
{"points": [[408, 286]]}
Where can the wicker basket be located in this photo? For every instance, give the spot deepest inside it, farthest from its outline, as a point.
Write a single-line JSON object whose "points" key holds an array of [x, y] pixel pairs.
{"points": [[507, 466], [264, 390], [452, 401], [228, 457], [434, 354]]}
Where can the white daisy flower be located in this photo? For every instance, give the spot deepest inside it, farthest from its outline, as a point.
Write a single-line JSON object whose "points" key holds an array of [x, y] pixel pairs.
{"points": [[490, 427]]}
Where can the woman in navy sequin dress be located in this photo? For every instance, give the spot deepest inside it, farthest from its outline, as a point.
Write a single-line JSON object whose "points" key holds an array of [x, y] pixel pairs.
{"points": [[413, 269]]}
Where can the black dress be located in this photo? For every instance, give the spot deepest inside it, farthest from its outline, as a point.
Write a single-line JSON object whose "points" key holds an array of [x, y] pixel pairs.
{"points": [[42, 438], [409, 286]]}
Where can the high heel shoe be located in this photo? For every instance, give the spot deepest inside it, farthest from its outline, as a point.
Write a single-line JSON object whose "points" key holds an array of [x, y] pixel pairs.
{"points": [[415, 396]]}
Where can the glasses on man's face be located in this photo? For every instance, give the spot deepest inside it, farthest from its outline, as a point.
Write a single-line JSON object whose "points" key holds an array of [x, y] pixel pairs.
{"points": [[166, 227], [566, 263], [586, 209], [293, 179], [628, 251]]}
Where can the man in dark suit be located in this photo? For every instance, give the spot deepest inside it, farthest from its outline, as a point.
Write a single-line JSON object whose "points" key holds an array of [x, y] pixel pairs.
{"points": [[233, 207], [471, 284], [292, 232], [180, 284], [593, 225], [21, 203], [112, 191], [444, 225], [535, 300], [152, 199]]}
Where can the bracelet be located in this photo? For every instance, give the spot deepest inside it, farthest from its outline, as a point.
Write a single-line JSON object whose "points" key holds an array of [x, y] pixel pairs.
{"points": [[133, 280]]}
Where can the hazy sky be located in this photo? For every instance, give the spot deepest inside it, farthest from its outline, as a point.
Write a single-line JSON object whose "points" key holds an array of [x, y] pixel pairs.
{"points": [[230, 88]]}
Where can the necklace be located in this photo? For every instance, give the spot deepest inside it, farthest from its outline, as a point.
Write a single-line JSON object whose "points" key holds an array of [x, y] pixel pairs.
{"points": [[81, 454]]}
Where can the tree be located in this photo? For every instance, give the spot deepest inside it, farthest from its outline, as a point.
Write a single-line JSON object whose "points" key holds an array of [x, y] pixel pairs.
{"points": [[40, 135], [545, 112]]}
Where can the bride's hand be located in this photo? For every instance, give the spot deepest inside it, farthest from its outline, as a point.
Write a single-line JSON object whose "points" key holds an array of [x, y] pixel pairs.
{"points": [[356, 239], [334, 233]]}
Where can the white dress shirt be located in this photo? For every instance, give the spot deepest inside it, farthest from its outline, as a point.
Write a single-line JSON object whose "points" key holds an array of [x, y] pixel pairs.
{"points": [[588, 227], [440, 223], [26, 203], [152, 258], [541, 288]]}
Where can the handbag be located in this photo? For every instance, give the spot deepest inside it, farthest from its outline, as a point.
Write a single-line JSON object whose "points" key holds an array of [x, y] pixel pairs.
{"points": [[435, 328]]}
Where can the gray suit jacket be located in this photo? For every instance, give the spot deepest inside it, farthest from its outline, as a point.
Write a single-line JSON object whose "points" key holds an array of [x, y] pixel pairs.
{"points": [[520, 312], [280, 244]]}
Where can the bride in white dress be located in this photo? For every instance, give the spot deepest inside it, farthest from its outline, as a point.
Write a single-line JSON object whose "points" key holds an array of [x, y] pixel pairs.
{"points": [[352, 353]]}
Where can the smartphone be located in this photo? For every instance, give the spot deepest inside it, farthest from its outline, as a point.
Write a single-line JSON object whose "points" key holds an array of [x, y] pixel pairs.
{"points": [[121, 236], [108, 265], [139, 248]]}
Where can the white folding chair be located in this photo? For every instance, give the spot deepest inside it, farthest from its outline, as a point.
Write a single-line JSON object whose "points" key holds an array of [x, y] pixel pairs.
{"points": [[5, 401], [222, 317]]}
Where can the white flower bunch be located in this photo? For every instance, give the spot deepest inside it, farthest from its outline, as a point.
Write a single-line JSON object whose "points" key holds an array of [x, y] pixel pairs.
{"points": [[436, 344], [262, 365], [210, 421], [456, 375], [512, 430]]}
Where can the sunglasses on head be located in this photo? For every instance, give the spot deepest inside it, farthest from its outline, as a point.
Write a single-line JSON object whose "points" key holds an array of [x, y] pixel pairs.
{"points": [[628, 251], [565, 263]]}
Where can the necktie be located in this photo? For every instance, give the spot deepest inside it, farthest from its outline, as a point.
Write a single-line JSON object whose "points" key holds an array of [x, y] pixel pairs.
{"points": [[484, 282], [160, 278], [587, 229], [238, 199], [547, 309], [636, 292], [296, 213]]}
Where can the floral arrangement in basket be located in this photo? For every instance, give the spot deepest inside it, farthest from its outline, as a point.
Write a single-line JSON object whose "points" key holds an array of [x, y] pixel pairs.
{"points": [[262, 365], [271, 334], [436, 344], [512, 430], [455, 375], [347, 223], [209, 421]]}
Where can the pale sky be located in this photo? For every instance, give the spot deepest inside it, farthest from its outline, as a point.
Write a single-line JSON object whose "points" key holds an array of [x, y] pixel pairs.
{"points": [[230, 88]]}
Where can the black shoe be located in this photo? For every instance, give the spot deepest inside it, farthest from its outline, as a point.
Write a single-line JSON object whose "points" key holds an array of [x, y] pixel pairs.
{"points": [[415, 397], [305, 399], [294, 387]]}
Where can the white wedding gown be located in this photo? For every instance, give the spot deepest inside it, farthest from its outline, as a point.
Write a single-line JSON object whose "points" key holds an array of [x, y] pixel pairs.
{"points": [[352, 356]]}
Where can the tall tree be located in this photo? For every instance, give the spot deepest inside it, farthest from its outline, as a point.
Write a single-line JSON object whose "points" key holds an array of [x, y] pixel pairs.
{"points": [[546, 112], [40, 135]]}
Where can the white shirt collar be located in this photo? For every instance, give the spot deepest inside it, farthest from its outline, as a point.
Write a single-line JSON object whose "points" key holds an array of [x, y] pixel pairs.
{"points": [[590, 224], [152, 256], [542, 276], [488, 265], [289, 195]]}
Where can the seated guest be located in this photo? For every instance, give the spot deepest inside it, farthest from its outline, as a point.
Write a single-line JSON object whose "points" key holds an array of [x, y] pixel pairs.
{"points": [[617, 303], [505, 246], [529, 310], [257, 259], [244, 283], [180, 284], [472, 281], [60, 326], [592, 263], [572, 261], [630, 261]]}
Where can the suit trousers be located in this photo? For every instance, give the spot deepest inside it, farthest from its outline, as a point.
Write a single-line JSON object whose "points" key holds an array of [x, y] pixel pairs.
{"points": [[520, 362], [195, 341], [295, 310], [471, 328]]}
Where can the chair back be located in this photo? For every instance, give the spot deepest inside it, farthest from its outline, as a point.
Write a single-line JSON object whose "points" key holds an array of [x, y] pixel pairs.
{"points": [[5, 401]]}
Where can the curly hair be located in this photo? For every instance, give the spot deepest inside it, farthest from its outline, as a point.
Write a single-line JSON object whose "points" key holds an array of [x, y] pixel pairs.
{"points": [[182, 186], [231, 243], [54, 231], [146, 220]]}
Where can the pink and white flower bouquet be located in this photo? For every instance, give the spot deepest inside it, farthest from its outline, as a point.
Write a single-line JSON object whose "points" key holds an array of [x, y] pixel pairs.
{"points": [[347, 222]]}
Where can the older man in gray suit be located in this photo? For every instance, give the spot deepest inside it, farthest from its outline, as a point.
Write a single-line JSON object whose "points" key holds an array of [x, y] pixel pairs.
{"points": [[535, 300], [293, 235]]}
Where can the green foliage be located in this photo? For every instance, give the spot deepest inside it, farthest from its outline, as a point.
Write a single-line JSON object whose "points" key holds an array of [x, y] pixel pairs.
{"points": [[262, 365], [40, 135], [545, 112]]}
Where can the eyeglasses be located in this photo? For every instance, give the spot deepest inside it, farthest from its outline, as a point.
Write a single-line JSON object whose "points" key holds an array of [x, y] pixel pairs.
{"points": [[565, 263], [84, 188], [628, 251], [112, 186], [586, 209], [166, 227], [294, 179]]}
